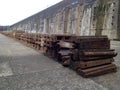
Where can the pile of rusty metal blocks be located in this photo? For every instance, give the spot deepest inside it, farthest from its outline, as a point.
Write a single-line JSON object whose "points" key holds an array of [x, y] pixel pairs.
{"points": [[51, 43], [64, 52], [87, 55], [93, 56]]}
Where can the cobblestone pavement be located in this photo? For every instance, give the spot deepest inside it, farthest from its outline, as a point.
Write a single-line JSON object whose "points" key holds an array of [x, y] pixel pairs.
{"points": [[23, 68]]}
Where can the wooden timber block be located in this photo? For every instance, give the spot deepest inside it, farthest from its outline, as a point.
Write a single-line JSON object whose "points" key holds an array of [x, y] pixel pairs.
{"points": [[64, 44], [49, 52], [99, 53], [43, 49], [90, 55], [93, 58], [63, 53], [66, 61], [88, 64], [95, 71], [89, 38], [97, 44], [77, 57]]}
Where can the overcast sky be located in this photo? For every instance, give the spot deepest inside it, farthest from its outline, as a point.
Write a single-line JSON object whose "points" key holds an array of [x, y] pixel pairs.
{"points": [[12, 11]]}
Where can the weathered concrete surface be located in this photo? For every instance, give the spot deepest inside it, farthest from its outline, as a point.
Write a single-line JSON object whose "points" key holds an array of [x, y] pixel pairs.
{"points": [[22, 68], [79, 17]]}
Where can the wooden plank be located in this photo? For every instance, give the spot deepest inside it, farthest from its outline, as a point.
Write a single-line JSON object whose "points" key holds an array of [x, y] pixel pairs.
{"points": [[99, 53], [88, 64], [97, 70]]}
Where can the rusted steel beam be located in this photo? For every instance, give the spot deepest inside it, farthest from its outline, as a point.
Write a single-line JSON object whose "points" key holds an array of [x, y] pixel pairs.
{"points": [[93, 58], [99, 53], [64, 44], [79, 55], [91, 42], [64, 52], [58, 37], [63, 56], [88, 64], [89, 38], [97, 70], [94, 45], [66, 61]]}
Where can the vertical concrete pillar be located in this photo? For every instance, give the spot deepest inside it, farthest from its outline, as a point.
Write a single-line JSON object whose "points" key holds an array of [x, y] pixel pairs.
{"points": [[44, 26], [77, 21], [86, 22], [47, 25], [55, 23], [66, 20], [118, 24]]}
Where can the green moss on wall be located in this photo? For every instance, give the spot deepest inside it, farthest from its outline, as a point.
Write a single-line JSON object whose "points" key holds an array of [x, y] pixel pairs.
{"points": [[100, 16]]}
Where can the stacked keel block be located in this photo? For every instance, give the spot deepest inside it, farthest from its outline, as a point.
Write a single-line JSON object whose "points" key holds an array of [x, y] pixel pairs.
{"points": [[52, 44], [64, 53], [87, 55], [93, 56]]}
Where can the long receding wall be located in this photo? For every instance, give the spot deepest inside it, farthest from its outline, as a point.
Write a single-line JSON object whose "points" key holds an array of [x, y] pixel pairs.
{"points": [[80, 17], [3, 28]]}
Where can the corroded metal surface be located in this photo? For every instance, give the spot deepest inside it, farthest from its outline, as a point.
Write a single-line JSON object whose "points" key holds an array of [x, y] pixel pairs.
{"points": [[97, 70], [81, 53], [27, 69]]}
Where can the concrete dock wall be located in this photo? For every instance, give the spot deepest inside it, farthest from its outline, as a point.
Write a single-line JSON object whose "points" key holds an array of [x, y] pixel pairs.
{"points": [[79, 17]]}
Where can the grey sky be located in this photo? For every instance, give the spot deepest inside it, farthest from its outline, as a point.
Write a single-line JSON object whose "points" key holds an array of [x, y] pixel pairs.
{"points": [[12, 11]]}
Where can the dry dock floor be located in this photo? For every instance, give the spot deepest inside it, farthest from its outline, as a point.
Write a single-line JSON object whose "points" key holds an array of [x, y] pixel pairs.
{"points": [[23, 68]]}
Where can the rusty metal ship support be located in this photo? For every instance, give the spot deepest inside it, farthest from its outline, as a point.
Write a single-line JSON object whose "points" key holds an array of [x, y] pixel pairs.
{"points": [[87, 55]]}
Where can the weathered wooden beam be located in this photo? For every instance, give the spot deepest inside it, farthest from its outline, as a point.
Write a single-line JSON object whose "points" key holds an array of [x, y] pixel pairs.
{"points": [[97, 70], [87, 64]]}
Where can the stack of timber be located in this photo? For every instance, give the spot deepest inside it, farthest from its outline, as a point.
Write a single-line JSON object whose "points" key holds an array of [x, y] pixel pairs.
{"points": [[32, 39], [87, 55], [93, 56], [52, 43], [64, 52], [37, 41]]}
